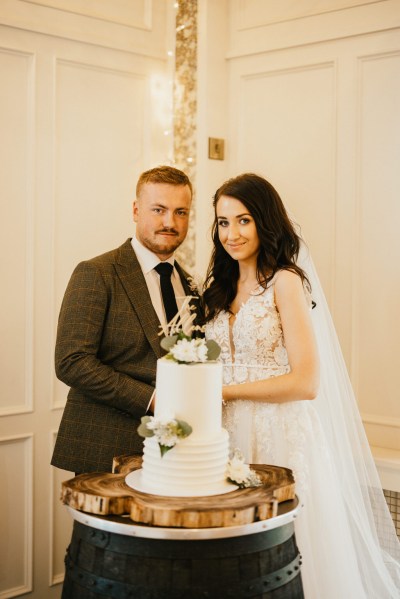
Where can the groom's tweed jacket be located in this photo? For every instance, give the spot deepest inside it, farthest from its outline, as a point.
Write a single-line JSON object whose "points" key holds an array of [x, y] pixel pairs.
{"points": [[107, 346]]}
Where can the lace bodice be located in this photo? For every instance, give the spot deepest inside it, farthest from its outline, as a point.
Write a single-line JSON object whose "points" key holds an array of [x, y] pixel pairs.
{"points": [[290, 434], [253, 348]]}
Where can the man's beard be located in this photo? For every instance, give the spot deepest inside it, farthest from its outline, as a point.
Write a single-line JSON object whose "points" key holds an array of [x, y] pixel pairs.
{"points": [[165, 247]]}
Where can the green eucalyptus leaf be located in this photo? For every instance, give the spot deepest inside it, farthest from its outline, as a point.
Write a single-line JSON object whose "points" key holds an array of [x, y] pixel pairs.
{"points": [[164, 449], [168, 342], [213, 349], [142, 430], [181, 335], [185, 428]]}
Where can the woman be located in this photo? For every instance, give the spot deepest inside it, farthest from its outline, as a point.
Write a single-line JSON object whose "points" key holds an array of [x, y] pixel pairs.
{"points": [[287, 397]]}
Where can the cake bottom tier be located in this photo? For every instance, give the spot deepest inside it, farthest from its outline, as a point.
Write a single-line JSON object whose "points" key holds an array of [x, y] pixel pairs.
{"points": [[192, 468]]}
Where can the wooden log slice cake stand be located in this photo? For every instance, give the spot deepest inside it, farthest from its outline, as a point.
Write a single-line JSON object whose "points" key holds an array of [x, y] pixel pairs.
{"points": [[128, 544], [107, 493]]}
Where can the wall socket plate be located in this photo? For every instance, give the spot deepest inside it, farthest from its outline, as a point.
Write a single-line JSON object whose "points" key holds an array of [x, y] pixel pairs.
{"points": [[216, 148]]}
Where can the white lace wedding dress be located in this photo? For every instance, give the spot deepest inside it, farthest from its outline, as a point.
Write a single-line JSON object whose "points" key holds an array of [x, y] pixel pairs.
{"points": [[291, 435]]}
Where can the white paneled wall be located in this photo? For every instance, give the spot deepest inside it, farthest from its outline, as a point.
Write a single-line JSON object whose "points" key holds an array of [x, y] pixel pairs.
{"points": [[94, 183], [17, 70], [60, 522], [16, 523], [283, 111], [376, 328], [82, 113], [305, 93], [311, 102], [318, 116]]}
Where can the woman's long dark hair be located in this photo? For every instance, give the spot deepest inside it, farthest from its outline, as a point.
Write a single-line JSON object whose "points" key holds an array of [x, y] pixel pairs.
{"points": [[279, 242]]}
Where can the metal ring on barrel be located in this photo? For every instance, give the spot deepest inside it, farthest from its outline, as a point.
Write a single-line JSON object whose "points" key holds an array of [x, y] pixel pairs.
{"points": [[261, 560]]}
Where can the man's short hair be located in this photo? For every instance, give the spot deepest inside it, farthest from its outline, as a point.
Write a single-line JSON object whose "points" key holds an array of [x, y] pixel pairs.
{"points": [[163, 174]]}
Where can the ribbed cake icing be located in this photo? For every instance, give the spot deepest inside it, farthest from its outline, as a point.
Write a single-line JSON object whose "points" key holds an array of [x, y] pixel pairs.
{"points": [[196, 465]]}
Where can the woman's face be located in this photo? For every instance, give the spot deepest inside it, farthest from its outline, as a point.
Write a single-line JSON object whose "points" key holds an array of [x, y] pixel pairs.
{"points": [[237, 230]]}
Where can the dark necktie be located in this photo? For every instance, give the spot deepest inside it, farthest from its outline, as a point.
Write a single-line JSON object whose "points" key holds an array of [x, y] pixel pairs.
{"points": [[164, 269]]}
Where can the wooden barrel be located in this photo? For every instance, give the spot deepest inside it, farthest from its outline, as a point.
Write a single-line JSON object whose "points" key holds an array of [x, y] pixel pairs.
{"points": [[102, 564]]}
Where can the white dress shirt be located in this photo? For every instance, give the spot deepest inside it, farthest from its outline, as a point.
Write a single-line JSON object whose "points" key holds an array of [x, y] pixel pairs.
{"points": [[148, 261]]}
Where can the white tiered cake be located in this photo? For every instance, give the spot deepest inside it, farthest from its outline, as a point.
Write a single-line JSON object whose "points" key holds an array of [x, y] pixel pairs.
{"points": [[196, 465]]}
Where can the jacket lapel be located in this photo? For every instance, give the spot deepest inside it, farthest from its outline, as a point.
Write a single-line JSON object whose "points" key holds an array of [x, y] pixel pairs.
{"points": [[133, 281]]}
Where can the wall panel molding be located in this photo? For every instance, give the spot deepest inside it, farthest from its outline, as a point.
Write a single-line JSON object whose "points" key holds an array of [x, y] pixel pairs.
{"points": [[252, 30], [377, 248], [18, 131], [54, 577], [382, 431], [259, 13], [19, 491], [136, 15], [136, 27], [60, 62], [381, 420], [87, 177], [60, 521], [258, 138]]}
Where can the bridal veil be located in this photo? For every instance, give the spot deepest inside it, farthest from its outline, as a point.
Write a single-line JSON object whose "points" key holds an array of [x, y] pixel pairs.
{"points": [[370, 523]]}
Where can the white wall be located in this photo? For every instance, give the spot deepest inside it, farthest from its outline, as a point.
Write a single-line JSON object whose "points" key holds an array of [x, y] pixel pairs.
{"points": [[212, 117], [82, 113], [312, 104], [305, 93]]}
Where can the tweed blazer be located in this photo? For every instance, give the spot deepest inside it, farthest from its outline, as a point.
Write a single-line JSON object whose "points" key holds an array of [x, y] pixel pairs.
{"points": [[107, 347]]}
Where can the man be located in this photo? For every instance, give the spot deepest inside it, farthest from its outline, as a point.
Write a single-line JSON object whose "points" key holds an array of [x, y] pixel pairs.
{"points": [[108, 333]]}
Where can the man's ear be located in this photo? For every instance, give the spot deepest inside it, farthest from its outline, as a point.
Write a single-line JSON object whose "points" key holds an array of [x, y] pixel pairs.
{"points": [[135, 211]]}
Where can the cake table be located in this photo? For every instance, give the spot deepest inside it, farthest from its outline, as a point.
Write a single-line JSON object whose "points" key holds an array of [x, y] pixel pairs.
{"points": [[129, 544]]}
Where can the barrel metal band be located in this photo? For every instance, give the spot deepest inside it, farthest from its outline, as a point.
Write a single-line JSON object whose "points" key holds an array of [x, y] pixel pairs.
{"points": [[140, 546], [269, 582], [114, 589]]}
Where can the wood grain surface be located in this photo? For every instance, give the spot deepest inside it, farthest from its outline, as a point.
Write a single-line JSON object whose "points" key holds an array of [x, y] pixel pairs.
{"points": [[107, 493]]}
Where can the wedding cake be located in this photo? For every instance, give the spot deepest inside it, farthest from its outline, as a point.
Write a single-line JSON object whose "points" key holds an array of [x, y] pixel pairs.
{"points": [[197, 464]]}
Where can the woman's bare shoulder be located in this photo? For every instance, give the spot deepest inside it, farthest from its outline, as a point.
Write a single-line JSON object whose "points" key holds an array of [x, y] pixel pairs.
{"points": [[286, 277], [289, 289]]}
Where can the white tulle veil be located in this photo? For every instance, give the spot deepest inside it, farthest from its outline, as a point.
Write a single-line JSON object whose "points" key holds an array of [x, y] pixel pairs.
{"points": [[369, 519]]}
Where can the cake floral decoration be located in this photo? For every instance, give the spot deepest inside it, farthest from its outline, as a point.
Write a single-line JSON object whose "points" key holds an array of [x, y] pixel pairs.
{"points": [[241, 474], [194, 284], [167, 431], [184, 347]]}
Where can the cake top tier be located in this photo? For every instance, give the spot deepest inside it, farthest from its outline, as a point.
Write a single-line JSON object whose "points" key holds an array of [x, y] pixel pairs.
{"points": [[192, 393]]}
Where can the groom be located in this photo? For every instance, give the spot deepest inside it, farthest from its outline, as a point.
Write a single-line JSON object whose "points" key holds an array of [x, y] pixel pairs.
{"points": [[108, 332]]}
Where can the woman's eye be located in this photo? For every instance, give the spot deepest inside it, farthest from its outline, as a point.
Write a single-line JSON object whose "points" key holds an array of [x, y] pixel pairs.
{"points": [[244, 221], [222, 223]]}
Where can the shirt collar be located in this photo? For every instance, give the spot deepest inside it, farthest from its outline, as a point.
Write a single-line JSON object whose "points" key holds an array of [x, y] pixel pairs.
{"points": [[147, 259]]}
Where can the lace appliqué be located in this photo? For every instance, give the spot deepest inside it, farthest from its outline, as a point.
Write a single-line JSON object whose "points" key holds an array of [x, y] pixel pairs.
{"points": [[254, 349]]}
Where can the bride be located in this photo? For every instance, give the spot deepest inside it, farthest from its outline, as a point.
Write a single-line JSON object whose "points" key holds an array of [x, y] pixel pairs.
{"points": [[287, 397]]}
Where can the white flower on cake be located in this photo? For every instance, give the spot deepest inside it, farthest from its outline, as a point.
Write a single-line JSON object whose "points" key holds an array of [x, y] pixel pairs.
{"points": [[189, 350], [184, 348], [240, 473], [167, 431]]}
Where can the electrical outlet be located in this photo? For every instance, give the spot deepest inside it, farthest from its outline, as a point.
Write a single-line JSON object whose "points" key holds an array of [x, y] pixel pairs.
{"points": [[216, 148]]}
